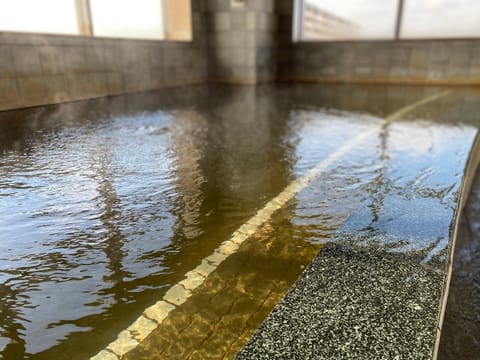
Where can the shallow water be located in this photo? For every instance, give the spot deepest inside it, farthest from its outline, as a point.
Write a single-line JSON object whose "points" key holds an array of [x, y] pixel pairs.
{"points": [[105, 204]]}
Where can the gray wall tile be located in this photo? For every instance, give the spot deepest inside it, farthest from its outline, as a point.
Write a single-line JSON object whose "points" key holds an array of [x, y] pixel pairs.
{"points": [[27, 60], [51, 59], [8, 93], [7, 66], [31, 90], [75, 60]]}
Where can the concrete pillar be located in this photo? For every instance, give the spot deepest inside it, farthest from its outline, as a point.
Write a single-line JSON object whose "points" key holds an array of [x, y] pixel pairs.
{"points": [[244, 37]]}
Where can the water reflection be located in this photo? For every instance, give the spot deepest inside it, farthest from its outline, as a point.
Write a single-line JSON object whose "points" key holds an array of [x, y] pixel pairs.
{"points": [[412, 200], [105, 204]]}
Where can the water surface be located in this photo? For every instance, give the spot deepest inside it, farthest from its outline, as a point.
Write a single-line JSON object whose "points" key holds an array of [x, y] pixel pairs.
{"points": [[105, 204]]}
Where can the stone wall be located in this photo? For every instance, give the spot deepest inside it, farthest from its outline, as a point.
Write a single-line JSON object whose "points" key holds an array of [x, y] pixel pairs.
{"points": [[242, 40], [37, 69], [422, 62], [244, 44]]}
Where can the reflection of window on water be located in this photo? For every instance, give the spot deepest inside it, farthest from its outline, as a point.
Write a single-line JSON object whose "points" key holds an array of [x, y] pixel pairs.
{"points": [[377, 19], [145, 19]]}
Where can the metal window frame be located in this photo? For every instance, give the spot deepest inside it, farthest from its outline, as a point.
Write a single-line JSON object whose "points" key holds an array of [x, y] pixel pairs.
{"points": [[398, 23], [297, 23]]}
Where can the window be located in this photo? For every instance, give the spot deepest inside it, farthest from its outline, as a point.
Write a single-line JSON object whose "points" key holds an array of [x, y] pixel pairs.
{"points": [[348, 19], [441, 19], [127, 18], [143, 19], [325, 20], [47, 16]]}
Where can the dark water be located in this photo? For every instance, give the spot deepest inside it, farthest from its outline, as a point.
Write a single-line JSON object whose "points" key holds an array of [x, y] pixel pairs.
{"points": [[105, 204]]}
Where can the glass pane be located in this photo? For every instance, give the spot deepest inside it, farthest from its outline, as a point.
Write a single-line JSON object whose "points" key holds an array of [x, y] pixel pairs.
{"points": [[441, 19], [349, 19], [46, 16], [127, 18]]}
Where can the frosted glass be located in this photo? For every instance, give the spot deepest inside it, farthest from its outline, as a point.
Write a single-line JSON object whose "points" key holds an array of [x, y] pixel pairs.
{"points": [[441, 19], [45, 16], [127, 18]]}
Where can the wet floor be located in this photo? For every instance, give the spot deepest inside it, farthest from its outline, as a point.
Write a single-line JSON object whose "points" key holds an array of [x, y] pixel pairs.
{"points": [[106, 204]]}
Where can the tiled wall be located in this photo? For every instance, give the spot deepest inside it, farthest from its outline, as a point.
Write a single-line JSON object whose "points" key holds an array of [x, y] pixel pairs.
{"points": [[43, 69], [266, 23], [425, 62], [246, 44], [242, 40], [230, 42]]}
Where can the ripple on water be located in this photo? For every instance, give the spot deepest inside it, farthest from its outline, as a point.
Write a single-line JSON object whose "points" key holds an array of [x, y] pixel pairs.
{"points": [[102, 209]]}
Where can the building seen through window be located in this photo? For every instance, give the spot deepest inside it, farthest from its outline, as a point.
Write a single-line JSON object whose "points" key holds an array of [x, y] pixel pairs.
{"points": [[330, 20], [348, 19]]}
